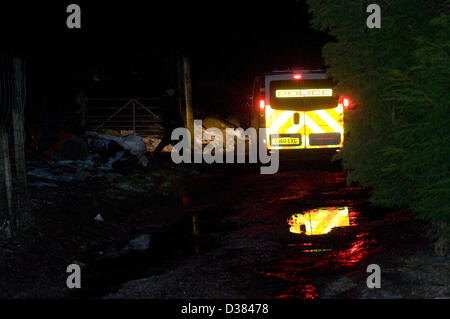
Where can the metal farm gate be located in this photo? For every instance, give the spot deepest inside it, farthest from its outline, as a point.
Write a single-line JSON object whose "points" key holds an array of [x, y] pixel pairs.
{"points": [[125, 115]]}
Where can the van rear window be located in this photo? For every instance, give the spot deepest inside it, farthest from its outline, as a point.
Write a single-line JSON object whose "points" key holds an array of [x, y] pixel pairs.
{"points": [[303, 95]]}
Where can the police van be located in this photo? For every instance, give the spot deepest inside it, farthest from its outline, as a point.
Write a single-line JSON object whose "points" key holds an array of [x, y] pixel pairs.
{"points": [[299, 109]]}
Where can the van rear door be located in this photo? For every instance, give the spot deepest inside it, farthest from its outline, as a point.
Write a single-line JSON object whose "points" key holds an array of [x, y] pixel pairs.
{"points": [[302, 113]]}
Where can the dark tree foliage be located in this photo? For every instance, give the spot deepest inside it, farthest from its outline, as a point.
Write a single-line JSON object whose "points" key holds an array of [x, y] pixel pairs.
{"points": [[398, 141]]}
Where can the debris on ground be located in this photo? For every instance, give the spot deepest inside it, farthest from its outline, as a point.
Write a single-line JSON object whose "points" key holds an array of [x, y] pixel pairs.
{"points": [[133, 144], [140, 243], [212, 126], [151, 142], [99, 218], [91, 155]]}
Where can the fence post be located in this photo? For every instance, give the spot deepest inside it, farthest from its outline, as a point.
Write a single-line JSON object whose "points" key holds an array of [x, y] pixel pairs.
{"points": [[188, 97], [6, 166], [19, 143], [3, 202], [134, 116], [82, 100]]}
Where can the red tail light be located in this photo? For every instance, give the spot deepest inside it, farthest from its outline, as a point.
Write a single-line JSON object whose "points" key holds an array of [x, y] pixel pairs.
{"points": [[297, 76], [345, 101], [262, 105]]}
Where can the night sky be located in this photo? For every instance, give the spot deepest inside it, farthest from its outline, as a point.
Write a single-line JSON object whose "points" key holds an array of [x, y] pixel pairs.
{"points": [[126, 48]]}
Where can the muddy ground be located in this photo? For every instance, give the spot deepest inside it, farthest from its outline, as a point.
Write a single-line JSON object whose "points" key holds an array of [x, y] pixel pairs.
{"points": [[218, 232]]}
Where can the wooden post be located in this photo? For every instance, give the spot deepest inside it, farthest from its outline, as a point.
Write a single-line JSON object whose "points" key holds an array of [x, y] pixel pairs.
{"points": [[19, 143], [134, 116], [188, 97], [180, 86], [4, 214], [82, 101], [6, 166]]}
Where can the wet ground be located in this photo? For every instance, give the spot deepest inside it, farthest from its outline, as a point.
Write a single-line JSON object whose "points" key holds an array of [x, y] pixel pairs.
{"points": [[301, 233], [229, 232]]}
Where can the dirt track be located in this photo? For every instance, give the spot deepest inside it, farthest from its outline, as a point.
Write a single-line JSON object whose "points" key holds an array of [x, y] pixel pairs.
{"points": [[245, 249], [242, 248]]}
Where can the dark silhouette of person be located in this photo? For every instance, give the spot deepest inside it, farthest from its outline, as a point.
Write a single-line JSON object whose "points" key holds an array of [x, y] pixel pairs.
{"points": [[171, 118]]}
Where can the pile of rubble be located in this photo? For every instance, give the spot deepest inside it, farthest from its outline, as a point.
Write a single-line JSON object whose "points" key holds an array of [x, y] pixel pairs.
{"points": [[93, 154]]}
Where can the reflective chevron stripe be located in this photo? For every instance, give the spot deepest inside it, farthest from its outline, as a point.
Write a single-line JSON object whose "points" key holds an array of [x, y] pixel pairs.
{"points": [[316, 121], [331, 122], [296, 128], [312, 125], [279, 119]]}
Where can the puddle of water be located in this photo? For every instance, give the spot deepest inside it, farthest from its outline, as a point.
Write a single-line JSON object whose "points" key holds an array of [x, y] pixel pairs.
{"points": [[308, 291], [319, 221], [192, 236], [314, 252], [320, 250]]}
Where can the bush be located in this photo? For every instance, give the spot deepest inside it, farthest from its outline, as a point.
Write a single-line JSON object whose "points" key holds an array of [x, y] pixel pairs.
{"points": [[398, 139]]}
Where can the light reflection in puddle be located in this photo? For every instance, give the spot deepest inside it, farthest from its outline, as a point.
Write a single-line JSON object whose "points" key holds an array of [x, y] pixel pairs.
{"points": [[319, 221], [360, 249], [316, 250], [325, 256], [307, 291]]}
